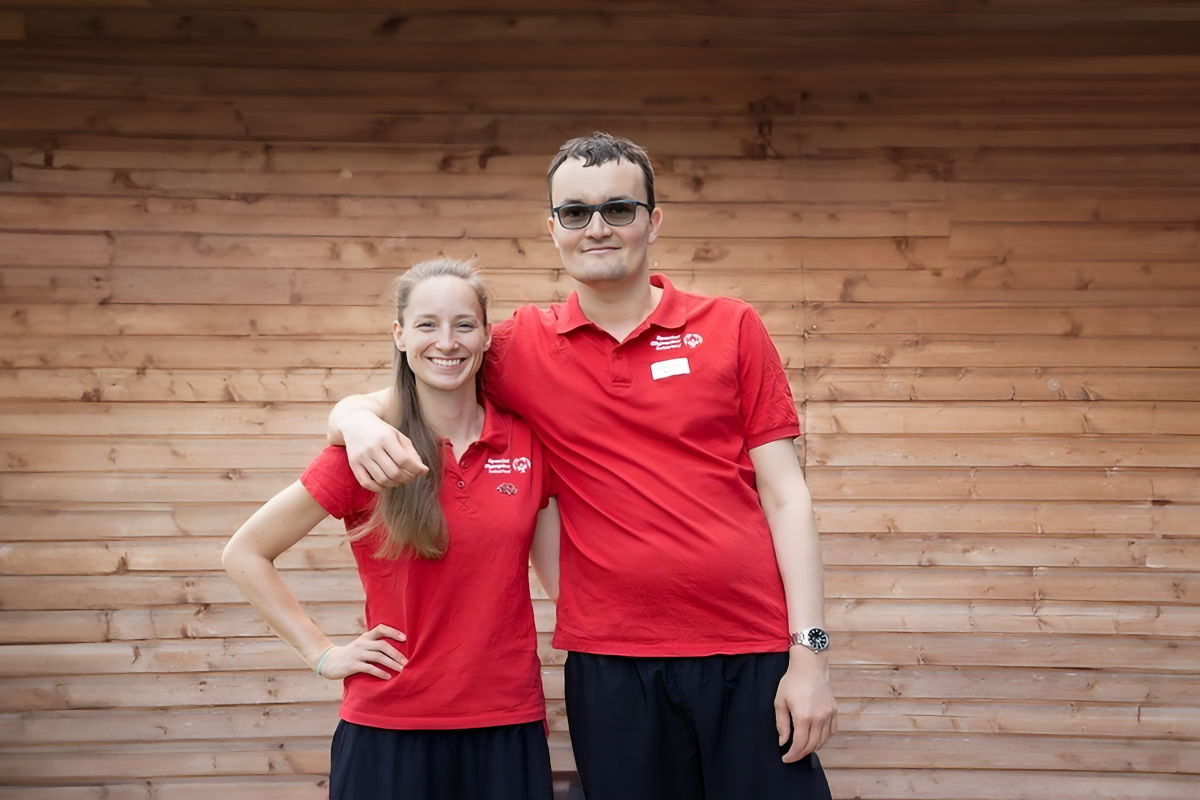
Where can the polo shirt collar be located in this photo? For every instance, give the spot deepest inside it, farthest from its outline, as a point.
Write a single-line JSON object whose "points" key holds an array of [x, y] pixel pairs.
{"points": [[669, 313], [497, 430]]}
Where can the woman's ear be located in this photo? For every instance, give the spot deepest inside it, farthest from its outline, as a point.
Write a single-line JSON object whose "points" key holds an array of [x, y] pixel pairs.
{"points": [[487, 336], [398, 334]]}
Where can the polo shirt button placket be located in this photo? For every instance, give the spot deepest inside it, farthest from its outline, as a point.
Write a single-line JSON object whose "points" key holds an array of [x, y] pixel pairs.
{"points": [[620, 371]]}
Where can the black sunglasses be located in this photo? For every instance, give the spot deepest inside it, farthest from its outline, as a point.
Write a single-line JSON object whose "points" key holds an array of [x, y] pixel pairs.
{"points": [[574, 216]]}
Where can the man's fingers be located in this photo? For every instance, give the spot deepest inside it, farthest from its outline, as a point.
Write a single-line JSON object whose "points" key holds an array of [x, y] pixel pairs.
{"points": [[362, 474], [383, 470], [808, 735], [387, 472], [783, 724], [826, 732], [403, 459], [801, 737]]}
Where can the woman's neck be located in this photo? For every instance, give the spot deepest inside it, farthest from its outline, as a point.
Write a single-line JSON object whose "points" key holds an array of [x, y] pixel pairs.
{"points": [[456, 415]]}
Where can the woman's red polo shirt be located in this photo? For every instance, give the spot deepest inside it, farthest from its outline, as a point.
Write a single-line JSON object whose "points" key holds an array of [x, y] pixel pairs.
{"points": [[472, 646]]}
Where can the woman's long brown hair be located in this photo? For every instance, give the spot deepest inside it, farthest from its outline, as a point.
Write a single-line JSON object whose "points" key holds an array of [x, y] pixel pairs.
{"points": [[411, 514]]}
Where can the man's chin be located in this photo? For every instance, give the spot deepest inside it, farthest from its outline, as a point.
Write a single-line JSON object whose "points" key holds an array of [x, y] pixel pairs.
{"points": [[599, 273]]}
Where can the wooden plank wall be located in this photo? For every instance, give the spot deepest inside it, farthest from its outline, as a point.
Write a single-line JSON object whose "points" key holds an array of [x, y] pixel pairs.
{"points": [[972, 228]]}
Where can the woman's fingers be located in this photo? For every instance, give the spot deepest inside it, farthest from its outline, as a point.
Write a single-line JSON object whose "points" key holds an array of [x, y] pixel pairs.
{"points": [[388, 631], [371, 653]]}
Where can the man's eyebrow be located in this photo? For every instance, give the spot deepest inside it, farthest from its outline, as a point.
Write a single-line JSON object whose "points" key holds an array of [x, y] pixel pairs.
{"points": [[576, 200]]}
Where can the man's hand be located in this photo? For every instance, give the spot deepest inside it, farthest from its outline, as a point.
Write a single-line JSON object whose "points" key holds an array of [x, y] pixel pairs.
{"points": [[380, 456], [804, 704]]}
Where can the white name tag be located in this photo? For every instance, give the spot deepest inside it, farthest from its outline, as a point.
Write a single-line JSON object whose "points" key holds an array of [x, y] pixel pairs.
{"points": [[672, 366]]}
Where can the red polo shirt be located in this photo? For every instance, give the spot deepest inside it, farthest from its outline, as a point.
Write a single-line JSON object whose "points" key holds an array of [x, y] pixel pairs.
{"points": [[471, 645], [665, 551]]}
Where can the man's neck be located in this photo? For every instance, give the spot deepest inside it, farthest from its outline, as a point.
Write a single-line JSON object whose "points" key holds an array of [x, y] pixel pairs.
{"points": [[618, 309]]}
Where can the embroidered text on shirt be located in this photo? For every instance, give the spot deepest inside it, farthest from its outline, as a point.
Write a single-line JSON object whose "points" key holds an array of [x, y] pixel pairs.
{"points": [[666, 342]]}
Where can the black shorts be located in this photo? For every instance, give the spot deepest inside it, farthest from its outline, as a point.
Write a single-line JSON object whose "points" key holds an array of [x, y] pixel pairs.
{"points": [[507, 762], [686, 728]]}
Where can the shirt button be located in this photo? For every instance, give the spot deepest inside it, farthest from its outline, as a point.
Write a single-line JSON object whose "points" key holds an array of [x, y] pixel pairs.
{"points": [[464, 464], [462, 484]]}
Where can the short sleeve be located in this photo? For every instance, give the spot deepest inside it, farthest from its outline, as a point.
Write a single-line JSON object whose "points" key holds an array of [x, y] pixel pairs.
{"points": [[494, 372], [767, 407], [332, 484]]}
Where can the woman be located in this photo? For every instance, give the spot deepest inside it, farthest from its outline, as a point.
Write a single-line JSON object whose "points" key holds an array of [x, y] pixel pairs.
{"points": [[442, 694]]}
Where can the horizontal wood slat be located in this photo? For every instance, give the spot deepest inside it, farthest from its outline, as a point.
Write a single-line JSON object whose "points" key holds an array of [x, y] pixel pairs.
{"points": [[845, 582]]}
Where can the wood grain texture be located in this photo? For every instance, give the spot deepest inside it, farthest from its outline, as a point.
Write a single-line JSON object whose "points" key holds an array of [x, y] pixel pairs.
{"points": [[970, 229]]}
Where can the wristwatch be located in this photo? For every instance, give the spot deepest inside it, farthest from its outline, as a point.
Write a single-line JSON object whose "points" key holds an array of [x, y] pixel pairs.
{"points": [[814, 639]]}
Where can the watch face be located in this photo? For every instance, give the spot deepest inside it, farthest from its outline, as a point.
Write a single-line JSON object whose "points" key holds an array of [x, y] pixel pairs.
{"points": [[818, 640]]}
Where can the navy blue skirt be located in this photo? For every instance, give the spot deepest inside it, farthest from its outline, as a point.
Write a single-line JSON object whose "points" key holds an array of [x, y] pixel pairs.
{"points": [[507, 762]]}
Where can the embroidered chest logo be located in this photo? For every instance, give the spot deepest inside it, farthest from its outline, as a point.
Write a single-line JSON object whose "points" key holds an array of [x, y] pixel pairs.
{"points": [[671, 367], [507, 466], [664, 342]]}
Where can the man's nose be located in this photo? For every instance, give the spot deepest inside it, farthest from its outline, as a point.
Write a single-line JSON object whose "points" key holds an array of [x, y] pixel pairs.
{"points": [[597, 226]]}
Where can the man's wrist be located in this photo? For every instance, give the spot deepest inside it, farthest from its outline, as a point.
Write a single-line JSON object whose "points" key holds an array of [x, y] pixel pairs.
{"points": [[814, 639], [358, 420], [803, 661]]}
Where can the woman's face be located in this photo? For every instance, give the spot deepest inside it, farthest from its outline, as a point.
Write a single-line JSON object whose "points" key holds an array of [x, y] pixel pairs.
{"points": [[443, 333]]}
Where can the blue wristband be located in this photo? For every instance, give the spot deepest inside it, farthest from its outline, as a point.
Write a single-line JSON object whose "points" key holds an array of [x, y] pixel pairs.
{"points": [[324, 656]]}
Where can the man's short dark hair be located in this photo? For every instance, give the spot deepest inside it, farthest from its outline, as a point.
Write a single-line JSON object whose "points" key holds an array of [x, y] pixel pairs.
{"points": [[600, 148]]}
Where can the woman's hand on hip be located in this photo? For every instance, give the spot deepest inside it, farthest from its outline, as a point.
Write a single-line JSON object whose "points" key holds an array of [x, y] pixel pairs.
{"points": [[370, 653]]}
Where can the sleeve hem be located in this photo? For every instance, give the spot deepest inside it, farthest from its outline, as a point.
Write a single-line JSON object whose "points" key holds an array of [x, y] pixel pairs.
{"points": [[784, 432]]}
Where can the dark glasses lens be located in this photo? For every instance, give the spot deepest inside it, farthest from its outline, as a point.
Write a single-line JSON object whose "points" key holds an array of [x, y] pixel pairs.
{"points": [[574, 215], [615, 212]]}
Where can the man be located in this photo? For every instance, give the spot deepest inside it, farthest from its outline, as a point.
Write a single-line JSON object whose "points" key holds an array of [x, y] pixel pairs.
{"points": [[691, 588]]}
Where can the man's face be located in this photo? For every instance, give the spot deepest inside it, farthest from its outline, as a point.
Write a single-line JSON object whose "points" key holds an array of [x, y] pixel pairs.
{"points": [[601, 252]]}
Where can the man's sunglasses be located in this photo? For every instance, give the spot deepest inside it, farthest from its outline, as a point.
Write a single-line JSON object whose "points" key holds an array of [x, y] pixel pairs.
{"points": [[574, 216]]}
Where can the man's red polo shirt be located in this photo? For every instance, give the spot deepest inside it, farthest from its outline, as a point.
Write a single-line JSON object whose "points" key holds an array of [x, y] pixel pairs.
{"points": [[665, 549]]}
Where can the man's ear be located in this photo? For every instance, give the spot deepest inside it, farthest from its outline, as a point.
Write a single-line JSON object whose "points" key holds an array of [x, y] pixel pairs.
{"points": [[655, 223]]}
